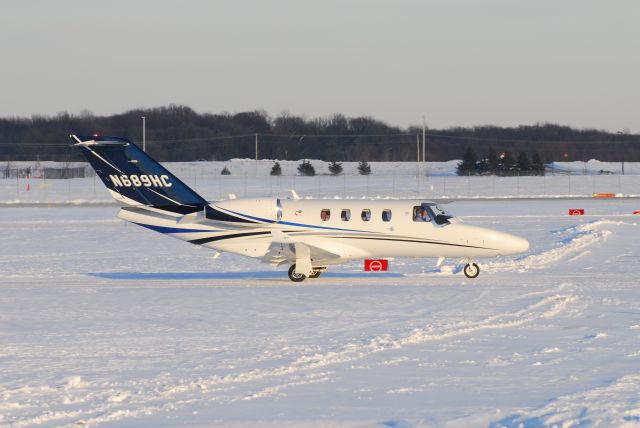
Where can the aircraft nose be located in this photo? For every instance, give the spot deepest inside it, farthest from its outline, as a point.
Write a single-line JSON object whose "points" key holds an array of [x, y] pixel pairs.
{"points": [[512, 244]]}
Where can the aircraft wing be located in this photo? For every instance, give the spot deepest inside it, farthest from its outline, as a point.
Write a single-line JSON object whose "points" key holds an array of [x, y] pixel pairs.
{"points": [[286, 248]]}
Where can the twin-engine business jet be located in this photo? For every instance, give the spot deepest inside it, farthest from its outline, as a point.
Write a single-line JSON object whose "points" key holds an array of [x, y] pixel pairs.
{"points": [[308, 235]]}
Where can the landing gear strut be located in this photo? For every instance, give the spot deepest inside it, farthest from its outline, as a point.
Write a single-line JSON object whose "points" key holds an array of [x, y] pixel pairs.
{"points": [[471, 270], [296, 277]]}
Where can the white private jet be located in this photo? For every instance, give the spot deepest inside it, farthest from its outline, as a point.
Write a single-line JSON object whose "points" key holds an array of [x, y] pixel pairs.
{"points": [[308, 235]]}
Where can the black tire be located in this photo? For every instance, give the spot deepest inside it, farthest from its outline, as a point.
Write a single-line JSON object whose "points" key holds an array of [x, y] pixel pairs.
{"points": [[471, 270], [315, 274], [293, 276]]}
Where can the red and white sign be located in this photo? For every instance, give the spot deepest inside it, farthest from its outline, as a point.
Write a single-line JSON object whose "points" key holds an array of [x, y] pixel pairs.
{"points": [[576, 211], [377, 265], [636, 212]]}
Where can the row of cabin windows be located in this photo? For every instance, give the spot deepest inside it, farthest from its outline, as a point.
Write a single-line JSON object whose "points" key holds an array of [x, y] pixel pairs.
{"points": [[345, 215], [419, 214]]}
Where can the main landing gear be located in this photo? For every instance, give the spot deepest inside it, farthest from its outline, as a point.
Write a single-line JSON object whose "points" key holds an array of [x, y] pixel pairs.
{"points": [[315, 274], [299, 277]]}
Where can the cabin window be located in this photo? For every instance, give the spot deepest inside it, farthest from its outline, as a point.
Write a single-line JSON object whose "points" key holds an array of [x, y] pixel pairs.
{"points": [[325, 215], [420, 214], [386, 215], [345, 215], [366, 215]]}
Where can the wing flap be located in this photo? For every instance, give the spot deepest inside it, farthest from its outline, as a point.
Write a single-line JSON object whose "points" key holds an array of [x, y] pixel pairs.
{"points": [[286, 248]]}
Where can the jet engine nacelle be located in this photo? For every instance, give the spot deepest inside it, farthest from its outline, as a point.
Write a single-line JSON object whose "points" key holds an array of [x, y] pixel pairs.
{"points": [[258, 209]]}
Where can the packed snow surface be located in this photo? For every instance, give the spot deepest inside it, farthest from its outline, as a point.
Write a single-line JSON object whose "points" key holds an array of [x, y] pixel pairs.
{"points": [[104, 323]]}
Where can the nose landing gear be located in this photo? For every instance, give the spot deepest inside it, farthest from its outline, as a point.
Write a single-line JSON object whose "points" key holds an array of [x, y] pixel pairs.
{"points": [[471, 270]]}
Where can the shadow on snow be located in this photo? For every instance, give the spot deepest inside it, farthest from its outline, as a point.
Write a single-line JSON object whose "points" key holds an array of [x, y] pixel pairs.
{"points": [[229, 275]]}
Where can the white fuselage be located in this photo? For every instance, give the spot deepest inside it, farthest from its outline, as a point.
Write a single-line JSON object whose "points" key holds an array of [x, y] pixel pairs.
{"points": [[335, 230]]}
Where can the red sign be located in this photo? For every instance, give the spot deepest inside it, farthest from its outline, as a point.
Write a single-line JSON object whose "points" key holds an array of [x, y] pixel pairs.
{"points": [[636, 212], [576, 211], [376, 265]]}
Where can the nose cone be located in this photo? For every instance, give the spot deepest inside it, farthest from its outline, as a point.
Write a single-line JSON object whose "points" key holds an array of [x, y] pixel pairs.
{"points": [[488, 242], [504, 243], [511, 244]]}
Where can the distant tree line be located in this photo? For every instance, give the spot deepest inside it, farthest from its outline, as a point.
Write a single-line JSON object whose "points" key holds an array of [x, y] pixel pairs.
{"points": [[178, 133], [502, 163]]}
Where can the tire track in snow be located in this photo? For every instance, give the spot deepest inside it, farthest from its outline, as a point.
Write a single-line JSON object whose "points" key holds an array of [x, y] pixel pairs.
{"points": [[577, 240], [616, 404], [114, 401]]}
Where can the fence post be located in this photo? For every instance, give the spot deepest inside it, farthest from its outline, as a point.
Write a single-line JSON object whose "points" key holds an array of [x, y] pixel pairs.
{"points": [[619, 183], [394, 184], [245, 183], [344, 186], [367, 180]]}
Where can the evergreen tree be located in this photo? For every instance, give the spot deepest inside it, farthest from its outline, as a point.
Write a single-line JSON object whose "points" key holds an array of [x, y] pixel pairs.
{"points": [[305, 168], [364, 168], [335, 168], [537, 167], [492, 161], [225, 171], [506, 164], [468, 164], [523, 163], [482, 167], [276, 169]]}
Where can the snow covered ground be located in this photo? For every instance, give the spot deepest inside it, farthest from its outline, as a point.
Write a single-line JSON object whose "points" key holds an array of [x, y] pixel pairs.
{"points": [[108, 324]]}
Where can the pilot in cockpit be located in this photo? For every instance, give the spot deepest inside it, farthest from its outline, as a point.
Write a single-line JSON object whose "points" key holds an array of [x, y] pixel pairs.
{"points": [[420, 214]]}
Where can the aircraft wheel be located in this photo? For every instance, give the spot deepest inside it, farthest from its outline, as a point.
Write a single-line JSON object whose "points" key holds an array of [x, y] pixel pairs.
{"points": [[315, 274], [471, 270], [296, 277]]}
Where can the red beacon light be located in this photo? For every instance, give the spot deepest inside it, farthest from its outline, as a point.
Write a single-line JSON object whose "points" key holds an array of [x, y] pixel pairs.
{"points": [[96, 135]]}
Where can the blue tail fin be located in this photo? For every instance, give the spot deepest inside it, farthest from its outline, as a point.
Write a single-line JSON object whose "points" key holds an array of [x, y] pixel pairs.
{"points": [[135, 178]]}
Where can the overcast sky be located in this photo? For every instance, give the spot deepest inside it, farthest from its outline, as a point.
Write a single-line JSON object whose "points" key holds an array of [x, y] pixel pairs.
{"points": [[457, 62]]}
